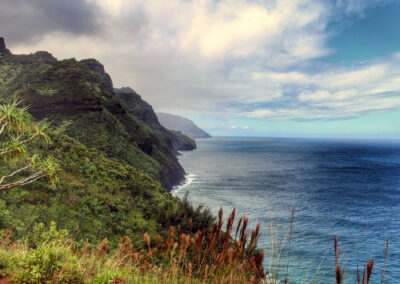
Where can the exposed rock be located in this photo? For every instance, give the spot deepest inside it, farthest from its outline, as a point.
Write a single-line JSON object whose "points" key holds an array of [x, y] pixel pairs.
{"points": [[175, 140], [182, 142], [3, 48], [137, 107], [97, 67]]}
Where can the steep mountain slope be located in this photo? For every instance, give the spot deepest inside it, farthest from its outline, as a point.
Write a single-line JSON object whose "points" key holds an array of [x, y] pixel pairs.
{"points": [[112, 163], [81, 94], [143, 111], [184, 125]]}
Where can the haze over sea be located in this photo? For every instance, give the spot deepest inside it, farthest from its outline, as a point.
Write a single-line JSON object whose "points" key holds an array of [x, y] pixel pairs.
{"points": [[349, 188]]}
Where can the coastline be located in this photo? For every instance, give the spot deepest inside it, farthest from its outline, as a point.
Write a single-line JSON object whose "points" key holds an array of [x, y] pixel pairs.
{"points": [[188, 179]]}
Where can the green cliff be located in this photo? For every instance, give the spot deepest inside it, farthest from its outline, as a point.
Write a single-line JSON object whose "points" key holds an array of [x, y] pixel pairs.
{"points": [[116, 164]]}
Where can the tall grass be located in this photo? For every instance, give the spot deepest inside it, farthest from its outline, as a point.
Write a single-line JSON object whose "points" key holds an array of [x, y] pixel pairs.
{"points": [[207, 256], [222, 254]]}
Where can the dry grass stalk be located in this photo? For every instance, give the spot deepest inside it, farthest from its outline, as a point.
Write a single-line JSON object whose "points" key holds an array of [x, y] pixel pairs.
{"points": [[385, 252]]}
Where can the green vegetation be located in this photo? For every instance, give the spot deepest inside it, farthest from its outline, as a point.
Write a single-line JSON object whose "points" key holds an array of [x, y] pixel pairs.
{"points": [[76, 155], [144, 112], [88, 194], [22, 166], [97, 163], [84, 161], [208, 256]]}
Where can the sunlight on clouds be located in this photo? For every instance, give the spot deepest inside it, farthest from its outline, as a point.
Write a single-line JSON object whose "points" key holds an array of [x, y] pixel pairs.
{"points": [[111, 4], [232, 58], [239, 28], [238, 32]]}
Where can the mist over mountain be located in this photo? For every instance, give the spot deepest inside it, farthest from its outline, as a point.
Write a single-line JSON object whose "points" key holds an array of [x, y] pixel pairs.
{"points": [[182, 124]]}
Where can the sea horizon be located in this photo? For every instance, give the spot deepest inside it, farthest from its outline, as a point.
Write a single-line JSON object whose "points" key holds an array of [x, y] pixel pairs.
{"points": [[396, 139], [265, 178]]}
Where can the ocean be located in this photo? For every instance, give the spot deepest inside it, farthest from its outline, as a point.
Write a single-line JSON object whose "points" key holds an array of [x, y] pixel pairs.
{"points": [[348, 188]]}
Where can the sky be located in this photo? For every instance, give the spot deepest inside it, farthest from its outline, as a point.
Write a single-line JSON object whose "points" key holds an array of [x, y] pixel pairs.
{"points": [[286, 68]]}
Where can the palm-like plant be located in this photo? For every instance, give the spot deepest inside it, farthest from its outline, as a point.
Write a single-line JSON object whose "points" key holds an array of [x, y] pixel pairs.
{"points": [[17, 134]]}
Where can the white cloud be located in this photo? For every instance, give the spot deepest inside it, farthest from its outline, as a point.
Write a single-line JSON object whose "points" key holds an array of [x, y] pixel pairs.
{"points": [[232, 57]]}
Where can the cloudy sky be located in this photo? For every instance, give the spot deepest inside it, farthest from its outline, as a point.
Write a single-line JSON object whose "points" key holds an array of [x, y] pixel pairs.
{"points": [[328, 68]]}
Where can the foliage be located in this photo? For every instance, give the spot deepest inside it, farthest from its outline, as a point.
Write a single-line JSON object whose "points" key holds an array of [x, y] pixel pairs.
{"points": [[208, 256], [107, 164], [185, 213], [109, 168], [21, 165]]}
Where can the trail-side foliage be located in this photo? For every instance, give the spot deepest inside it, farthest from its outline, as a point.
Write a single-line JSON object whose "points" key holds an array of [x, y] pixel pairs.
{"points": [[208, 256], [92, 196], [21, 163]]}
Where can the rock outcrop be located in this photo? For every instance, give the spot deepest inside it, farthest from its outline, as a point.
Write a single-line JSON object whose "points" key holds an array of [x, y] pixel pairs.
{"points": [[182, 124], [139, 108], [3, 48], [97, 67]]}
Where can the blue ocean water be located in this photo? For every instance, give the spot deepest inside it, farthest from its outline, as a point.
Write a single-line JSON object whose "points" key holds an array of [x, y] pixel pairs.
{"points": [[348, 188]]}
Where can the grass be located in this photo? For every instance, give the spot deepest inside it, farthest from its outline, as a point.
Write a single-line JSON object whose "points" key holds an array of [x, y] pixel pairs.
{"points": [[207, 256], [222, 254]]}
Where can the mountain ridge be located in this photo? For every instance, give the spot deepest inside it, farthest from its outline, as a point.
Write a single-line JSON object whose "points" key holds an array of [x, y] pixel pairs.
{"points": [[115, 168], [184, 125]]}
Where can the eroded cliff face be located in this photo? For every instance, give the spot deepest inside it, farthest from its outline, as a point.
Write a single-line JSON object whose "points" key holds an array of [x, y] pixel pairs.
{"points": [[79, 98], [61, 90], [96, 66], [3, 48], [136, 106]]}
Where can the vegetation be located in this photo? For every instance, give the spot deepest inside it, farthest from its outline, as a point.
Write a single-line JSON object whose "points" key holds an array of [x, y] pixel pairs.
{"points": [[20, 166], [73, 155], [98, 164], [100, 181], [208, 256]]}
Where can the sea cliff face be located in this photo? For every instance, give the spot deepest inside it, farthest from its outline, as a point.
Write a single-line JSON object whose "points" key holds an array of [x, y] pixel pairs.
{"points": [[182, 124], [79, 96], [133, 102], [114, 161]]}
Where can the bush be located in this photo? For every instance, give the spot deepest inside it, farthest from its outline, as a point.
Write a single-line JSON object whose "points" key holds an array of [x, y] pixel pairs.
{"points": [[49, 263]]}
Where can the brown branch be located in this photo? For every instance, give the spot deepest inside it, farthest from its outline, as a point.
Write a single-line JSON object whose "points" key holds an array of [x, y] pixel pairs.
{"points": [[16, 172], [24, 181]]}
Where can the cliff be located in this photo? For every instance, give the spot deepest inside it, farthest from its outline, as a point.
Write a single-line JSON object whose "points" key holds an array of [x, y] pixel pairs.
{"points": [[184, 125], [3, 49], [81, 93], [115, 164], [139, 108]]}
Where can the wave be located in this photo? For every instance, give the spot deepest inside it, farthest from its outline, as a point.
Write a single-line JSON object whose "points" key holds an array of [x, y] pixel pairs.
{"points": [[189, 178]]}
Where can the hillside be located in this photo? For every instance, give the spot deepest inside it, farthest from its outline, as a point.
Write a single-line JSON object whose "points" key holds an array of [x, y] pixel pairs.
{"points": [[184, 125], [144, 112], [114, 166]]}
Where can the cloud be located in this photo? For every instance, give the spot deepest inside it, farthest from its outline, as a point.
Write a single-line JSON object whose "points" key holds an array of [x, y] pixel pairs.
{"points": [[24, 21], [226, 58], [336, 92], [359, 6]]}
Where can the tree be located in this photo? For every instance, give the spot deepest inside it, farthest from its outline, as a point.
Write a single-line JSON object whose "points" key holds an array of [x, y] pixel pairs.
{"points": [[19, 138]]}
